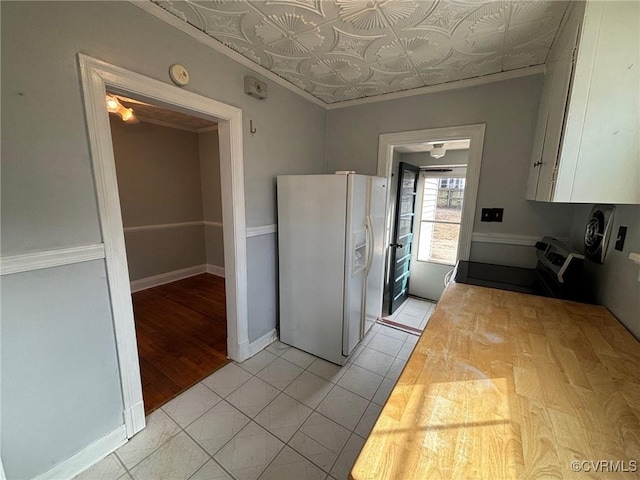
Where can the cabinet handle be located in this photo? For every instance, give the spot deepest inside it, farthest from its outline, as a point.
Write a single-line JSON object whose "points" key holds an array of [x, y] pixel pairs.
{"points": [[537, 164]]}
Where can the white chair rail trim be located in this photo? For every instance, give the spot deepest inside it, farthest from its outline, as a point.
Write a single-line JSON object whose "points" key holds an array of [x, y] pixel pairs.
{"points": [[165, 226], [50, 258]]}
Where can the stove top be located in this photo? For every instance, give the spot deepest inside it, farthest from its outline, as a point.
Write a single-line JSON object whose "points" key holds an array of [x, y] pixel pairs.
{"points": [[556, 274], [502, 277]]}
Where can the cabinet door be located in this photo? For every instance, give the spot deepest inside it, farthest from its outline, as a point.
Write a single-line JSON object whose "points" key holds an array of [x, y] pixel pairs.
{"points": [[553, 106], [538, 141], [600, 154]]}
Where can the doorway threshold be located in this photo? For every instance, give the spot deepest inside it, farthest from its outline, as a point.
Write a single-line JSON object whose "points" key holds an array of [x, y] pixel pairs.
{"points": [[412, 316]]}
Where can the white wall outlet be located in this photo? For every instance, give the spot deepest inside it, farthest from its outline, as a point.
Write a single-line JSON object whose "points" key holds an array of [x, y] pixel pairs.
{"points": [[255, 87]]}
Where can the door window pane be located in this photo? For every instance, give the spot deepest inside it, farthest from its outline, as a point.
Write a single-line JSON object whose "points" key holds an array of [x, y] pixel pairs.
{"points": [[441, 215], [405, 227]]}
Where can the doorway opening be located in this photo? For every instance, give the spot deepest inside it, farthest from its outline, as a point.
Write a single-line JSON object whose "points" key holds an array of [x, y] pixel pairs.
{"points": [[434, 177], [98, 77], [168, 173]]}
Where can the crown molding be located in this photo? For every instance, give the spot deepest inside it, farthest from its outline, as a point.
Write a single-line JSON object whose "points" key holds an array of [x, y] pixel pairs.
{"points": [[443, 87], [158, 12]]}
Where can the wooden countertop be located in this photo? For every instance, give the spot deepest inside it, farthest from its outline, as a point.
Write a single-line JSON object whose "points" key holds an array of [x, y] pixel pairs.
{"points": [[507, 385]]}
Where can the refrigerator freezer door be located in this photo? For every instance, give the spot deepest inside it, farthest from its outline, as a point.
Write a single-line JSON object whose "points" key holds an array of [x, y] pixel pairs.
{"points": [[357, 248], [311, 244], [377, 193]]}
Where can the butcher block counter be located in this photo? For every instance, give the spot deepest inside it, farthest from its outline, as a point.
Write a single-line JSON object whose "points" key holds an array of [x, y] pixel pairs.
{"points": [[507, 385]]}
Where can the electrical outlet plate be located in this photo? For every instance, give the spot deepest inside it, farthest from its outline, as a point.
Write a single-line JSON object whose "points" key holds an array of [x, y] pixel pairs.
{"points": [[492, 214], [622, 234]]}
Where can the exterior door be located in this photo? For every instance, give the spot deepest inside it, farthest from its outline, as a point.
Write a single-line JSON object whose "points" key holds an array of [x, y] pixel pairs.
{"points": [[403, 235], [437, 229]]}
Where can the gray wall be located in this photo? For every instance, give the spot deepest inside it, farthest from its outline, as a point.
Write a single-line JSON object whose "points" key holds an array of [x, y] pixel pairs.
{"points": [[49, 202], [158, 172], [60, 378], [508, 109], [262, 303], [159, 182], [614, 283], [211, 196], [153, 252]]}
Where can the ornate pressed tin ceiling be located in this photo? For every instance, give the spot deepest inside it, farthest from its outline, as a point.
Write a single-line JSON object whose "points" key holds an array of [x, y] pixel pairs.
{"points": [[341, 50]]}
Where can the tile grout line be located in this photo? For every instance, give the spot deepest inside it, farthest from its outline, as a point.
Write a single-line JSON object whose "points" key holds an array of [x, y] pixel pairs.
{"points": [[259, 412], [313, 410], [198, 443], [252, 419]]}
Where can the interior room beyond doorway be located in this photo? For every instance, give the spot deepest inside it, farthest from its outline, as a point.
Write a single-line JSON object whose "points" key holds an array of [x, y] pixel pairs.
{"points": [[168, 172], [428, 180]]}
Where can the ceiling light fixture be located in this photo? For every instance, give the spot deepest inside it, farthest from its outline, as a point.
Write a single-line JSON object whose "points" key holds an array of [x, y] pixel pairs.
{"points": [[114, 106], [438, 150]]}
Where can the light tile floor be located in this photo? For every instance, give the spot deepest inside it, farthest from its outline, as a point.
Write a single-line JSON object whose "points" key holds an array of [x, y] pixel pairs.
{"points": [[281, 415], [414, 313]]}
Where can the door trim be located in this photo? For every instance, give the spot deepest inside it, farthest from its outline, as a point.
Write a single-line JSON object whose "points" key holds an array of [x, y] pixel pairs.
{"points": [[96, 77], [388, 141]]}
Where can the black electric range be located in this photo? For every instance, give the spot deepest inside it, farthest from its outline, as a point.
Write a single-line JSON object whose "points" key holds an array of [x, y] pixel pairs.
{"points": [[555, 275]]}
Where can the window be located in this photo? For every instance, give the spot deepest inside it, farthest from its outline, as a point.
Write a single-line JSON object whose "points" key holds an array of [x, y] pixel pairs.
{"points": [[452, 183], [440, 215]]}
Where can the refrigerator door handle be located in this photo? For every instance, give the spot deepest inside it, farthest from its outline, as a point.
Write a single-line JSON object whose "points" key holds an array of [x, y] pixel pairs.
{"points": [[369, 255], [367, 251], [372, 242]]}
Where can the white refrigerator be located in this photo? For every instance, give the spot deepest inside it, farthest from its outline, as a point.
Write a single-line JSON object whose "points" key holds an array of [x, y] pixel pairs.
{"points": [[331, 260]]}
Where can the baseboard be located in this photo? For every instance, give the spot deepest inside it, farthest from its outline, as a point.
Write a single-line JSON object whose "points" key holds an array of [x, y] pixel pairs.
{"points": [[215, 270], [168, 277], [88, 457], [262, 342]]}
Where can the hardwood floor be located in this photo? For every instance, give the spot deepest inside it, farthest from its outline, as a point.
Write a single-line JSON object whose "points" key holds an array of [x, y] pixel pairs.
{"points": [[182, 335]]}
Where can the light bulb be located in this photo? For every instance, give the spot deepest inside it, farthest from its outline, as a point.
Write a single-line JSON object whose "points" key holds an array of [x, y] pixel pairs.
{"points": [[127, 115], [112, 104]]}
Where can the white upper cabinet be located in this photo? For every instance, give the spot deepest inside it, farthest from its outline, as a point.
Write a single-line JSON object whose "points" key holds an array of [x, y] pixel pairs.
{"points": [[586, 148]]}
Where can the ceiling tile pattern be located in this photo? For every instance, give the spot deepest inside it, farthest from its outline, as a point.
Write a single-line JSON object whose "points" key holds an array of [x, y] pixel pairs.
{"points": [[341, 50]]}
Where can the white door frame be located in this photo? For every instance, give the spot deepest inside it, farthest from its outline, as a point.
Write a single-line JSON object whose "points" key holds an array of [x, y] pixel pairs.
{"points": [[97, 76], [388, 141]]}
